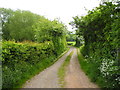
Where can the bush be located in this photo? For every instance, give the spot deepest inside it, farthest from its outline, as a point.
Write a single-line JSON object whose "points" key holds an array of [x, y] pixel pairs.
{"points": [[100, 29], [23, 60], [103, 71]]}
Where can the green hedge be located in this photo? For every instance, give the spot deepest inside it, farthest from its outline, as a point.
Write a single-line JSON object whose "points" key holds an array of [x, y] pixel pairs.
{"points": [[101, 31], [23, 60], [15, 52], [108, 78], [59, 44]]}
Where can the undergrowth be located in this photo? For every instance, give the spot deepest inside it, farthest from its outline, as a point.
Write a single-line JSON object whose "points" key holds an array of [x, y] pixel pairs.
{"points": [[92, 70], [21, 61]]}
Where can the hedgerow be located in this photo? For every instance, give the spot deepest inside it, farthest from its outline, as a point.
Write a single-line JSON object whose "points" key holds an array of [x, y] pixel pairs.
{"points": [[23, 60], [101, 32], [45, 41]]}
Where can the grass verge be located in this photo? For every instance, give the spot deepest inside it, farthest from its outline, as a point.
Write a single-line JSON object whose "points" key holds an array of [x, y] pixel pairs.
{"points": [[61, 71], [47, 64], [72, 43], [88, 68], [61, 55], [91, 70]]}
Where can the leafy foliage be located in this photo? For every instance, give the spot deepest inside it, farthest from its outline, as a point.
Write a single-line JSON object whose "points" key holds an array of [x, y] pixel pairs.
{"points": [[70, 36], [51, 31], [18, 26], [22, 25], [22, 60], [100, 30], [37, 42]]}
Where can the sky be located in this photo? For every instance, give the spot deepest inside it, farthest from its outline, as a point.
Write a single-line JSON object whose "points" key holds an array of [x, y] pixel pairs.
{"points": [[51, 9]]}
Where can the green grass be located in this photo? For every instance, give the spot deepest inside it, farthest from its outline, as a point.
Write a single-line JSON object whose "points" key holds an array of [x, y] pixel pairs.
{"points": [[92, 71], [89, 69], [71, 43], [62, 70]]}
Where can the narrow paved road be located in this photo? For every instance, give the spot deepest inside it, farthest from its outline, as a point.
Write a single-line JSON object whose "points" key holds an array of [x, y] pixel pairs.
{"points": [[47, 78], [75, 77]]}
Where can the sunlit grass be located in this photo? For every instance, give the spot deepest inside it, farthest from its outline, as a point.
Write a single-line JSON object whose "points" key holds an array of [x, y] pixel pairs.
{"points": [[72, 43]]}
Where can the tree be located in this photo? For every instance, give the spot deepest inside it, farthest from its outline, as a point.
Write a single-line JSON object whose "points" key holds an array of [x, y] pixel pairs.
{"points": [[5, 14], [100, 30], [42, 30], [70, 36], [19, 26]]}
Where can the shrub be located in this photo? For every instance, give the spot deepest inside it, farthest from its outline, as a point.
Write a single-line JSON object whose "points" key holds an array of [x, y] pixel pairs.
{"points": [[23, 60], [100, 29]]}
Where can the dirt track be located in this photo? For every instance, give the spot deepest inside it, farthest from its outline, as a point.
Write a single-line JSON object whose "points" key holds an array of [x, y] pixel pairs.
{"points": [[75, 77], [47, 78]]}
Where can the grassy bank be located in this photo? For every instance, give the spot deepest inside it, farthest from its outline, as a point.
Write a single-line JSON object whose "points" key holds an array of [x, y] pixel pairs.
{"points": [[62, 69], [92, 71], [88, 68]]}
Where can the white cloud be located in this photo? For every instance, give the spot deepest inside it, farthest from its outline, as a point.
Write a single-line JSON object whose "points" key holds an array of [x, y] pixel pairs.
{"points": [[63, 9]]}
